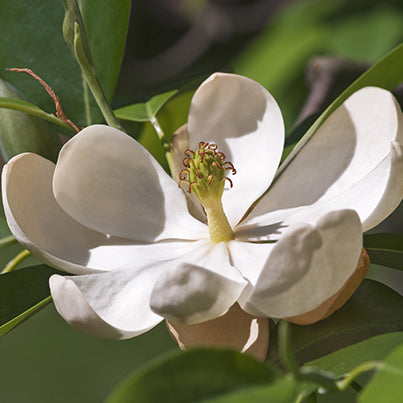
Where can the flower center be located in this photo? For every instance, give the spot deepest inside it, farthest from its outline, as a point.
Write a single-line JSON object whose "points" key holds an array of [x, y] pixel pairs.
{"points": [[205, 174]]}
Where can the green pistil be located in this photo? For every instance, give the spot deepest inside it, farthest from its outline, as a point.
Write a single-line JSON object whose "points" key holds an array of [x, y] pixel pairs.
{"points": [[205, 174]]}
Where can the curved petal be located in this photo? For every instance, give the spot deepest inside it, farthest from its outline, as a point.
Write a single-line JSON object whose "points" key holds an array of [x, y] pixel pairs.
{"points": [[190, 292], [43, 227], [112, 304], [107, 181], [349, 145], [337, 300], [374, 198], [306, 266], [38, 222], [235, 329], [244, 120]]}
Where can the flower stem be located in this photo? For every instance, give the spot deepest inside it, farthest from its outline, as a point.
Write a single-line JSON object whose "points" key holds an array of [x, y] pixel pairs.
{"points": [[347, 381], [7, 241], [92, 80], [12, 264], [164, 141], [286, 350]]}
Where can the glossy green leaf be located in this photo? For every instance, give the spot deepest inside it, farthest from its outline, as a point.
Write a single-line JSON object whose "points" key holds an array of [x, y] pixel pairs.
{"points": [[23, 293], [373, 309], [280, 391], [20, 132], [36, 41], [373, 349], [385, 249], [193, 376], [171, 116], [33, 110], [144, 111], [387, 384], [387, 73]]}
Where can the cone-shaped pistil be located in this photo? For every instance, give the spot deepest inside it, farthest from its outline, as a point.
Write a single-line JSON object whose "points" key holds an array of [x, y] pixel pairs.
{"points": [[205, 174]]}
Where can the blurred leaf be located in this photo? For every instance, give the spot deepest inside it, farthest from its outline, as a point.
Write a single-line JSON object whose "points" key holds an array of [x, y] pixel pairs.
{"points": [[280, 391], [23, 293], [387, 384], [385, 249], [374, 349], [380, 26], [193, 376], [144, 111], [387, 73], [373, 309], [282, 49], [36, 41], [20, 132]]}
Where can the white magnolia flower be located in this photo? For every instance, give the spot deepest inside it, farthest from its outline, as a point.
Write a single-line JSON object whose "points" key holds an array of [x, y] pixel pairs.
{"points": [[108, 212]]}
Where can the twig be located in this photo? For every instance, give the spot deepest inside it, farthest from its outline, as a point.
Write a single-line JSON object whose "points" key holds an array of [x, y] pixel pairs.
{"points": [[59, 110]]}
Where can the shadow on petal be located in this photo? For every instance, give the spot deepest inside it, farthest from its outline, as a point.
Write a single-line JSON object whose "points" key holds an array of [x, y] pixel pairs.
{"points": [[337, 300]]}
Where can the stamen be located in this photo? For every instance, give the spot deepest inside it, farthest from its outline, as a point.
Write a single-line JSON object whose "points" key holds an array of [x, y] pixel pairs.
{"points": [[190, 187], [190, 153], [183, 181], [229, 167], [229, 180], [204, 175], [184, 171]]}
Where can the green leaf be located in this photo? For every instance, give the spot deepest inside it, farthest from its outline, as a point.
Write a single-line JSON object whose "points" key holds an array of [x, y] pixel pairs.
{"points": [[387, 384], [20, 132], [373, 349], [145, 111], [385, 249], [373, 309], [42, 48], [23, 293], [193, 376], [387, 74], [33, 110], [280, 391]]}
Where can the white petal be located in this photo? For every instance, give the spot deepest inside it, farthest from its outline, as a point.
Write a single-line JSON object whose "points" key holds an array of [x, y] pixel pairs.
{"points": [[249, 258], [306, 266], [374, 198], [111, 304], [107, 181], [38, 222], [192, 293], [349, 145], [244, 120]]}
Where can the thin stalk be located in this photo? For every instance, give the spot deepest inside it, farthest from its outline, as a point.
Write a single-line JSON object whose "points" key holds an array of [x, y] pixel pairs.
{"points": [[92, 80], [286, 348], [164, 141], [7, 241], [347, 381], [12, 264]]}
